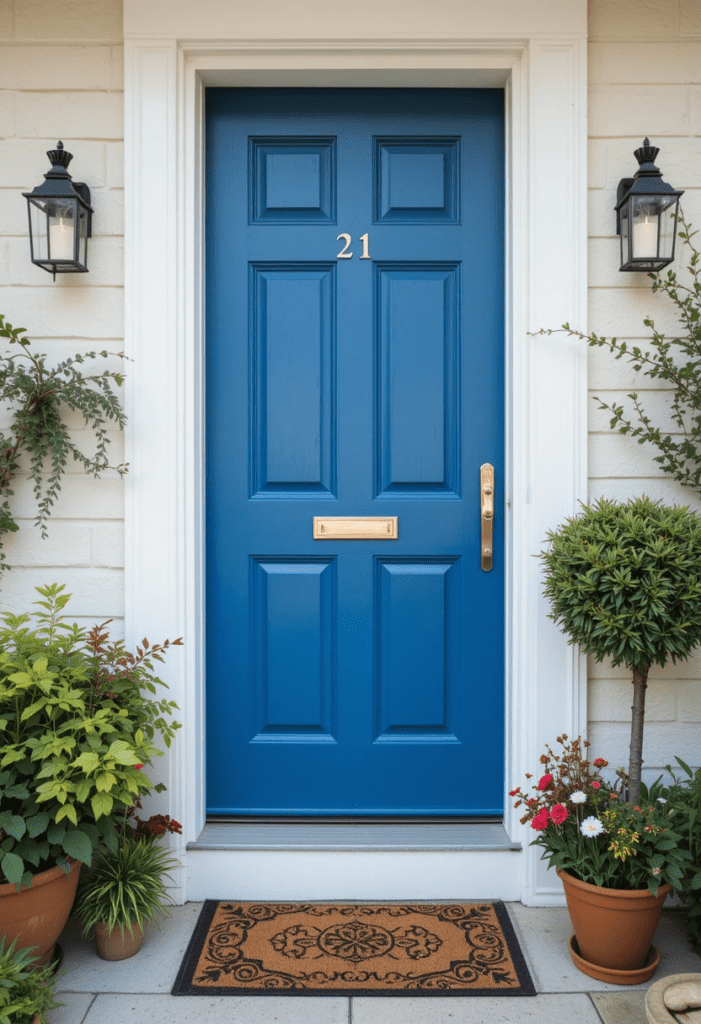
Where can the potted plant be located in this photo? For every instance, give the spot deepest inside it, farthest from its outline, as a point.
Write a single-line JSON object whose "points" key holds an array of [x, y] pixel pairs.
{"points": [[624, 582], [126, 887], [26, 990], [617, 860], [78, 719]]}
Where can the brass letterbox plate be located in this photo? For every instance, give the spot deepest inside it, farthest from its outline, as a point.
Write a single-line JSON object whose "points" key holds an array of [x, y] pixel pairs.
{"points": [[355, 527]]}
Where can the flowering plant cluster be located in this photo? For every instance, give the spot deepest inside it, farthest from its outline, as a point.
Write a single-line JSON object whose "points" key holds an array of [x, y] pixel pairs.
{"points": [[149, 829], [587, 828]]}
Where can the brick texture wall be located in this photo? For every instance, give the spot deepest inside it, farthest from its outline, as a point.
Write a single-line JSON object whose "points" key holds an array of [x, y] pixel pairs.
{"points": [[644, 79], [61, 77]]}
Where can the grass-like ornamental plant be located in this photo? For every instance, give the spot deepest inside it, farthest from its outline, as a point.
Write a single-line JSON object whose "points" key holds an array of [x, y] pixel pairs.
{"points": [[624, 582], [127, 887], [24, 992]]}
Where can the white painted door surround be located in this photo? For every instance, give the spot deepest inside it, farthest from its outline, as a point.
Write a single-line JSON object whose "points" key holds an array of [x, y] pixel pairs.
{"points": [[536, 50]]}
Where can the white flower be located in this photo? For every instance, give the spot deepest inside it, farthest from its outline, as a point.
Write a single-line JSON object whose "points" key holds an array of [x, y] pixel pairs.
{"points": [[591, 827], [661, 800], [578, 797]]}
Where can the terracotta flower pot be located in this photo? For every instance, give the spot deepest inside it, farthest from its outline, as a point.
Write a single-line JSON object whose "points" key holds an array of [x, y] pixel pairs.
{"points": [[613, 927], [37, 914], [113, 945]]}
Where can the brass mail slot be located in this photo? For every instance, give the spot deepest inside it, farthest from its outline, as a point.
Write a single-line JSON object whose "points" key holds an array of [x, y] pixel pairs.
{"points": [[355, 527]]}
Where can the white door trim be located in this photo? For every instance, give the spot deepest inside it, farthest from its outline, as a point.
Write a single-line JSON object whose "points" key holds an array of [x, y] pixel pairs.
{"points": [[169, 60]]}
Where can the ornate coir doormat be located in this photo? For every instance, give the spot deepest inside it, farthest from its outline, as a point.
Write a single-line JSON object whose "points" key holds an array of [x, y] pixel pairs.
{"points": [[467, 949]]}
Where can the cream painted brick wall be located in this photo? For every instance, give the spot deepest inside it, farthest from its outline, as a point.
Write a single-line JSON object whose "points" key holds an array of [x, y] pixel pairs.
{"points": [[644, 79], [61, 77]]}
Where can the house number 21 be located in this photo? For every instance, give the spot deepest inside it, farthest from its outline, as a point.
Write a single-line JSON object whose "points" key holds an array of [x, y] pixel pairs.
{"points": [[345, 254]]}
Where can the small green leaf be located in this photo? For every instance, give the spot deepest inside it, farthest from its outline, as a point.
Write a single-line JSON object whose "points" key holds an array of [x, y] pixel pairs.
{"points": [[13, 867]]}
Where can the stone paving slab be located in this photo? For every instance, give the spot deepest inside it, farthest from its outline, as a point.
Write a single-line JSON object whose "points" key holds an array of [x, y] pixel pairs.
{"points": [[133, 1009], [75, 1007], [619, 1007], [152, 970], [544, 933], [546, 1009]]}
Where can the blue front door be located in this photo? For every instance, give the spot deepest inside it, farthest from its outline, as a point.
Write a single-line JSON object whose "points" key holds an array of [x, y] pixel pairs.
{"points": [[354, 243]]}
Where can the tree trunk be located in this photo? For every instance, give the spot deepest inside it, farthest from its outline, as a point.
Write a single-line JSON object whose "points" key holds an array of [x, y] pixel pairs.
{"points": [[636, 733]]}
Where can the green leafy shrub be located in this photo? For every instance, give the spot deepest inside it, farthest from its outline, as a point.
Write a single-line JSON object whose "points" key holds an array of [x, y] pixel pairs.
{"points": [[624, 582], [24, 992], [35, 394], [683, 799], [78, 719]]}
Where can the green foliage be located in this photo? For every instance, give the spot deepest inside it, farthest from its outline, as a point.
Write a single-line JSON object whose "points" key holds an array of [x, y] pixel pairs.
{"points": [[683, 799], [125, 887], [673, 363], [35, 395], [585, 828], [78, 718], [24, 992], [624, 581]]}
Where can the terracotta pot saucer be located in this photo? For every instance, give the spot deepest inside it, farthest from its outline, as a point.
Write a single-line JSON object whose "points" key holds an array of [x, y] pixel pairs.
{"points": [[610, 976]]}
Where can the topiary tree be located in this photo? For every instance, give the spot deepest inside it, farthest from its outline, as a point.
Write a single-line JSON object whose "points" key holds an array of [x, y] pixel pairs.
{"points": [[624, 582]]}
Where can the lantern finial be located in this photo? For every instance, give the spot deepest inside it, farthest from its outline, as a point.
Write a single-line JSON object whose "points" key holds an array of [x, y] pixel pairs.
{"points": [[647, 154]]}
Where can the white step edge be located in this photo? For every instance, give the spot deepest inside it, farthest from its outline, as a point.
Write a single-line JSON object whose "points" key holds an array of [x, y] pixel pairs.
{"points": [[365, 873]]}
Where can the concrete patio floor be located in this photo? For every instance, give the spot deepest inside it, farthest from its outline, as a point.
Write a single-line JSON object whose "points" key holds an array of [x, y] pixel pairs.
{"points": [[137, 991]]}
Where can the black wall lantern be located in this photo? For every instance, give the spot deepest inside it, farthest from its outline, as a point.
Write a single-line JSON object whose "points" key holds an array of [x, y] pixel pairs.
{"points": [[646, 215], [60, 219]]}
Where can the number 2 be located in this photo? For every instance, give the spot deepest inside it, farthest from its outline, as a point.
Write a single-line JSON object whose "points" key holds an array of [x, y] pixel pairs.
{"points": [[344, 254]]}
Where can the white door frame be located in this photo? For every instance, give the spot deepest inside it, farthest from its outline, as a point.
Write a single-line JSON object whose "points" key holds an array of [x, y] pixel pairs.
{"points": [[537, 51]]}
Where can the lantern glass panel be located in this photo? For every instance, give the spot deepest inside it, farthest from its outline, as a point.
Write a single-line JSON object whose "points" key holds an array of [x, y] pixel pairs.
{"points": [[626, 253], [668, 227], [645, 219], [62, 234], [82, 236], [39, 229]]}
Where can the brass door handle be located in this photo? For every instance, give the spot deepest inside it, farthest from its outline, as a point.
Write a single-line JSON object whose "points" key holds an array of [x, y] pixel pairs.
{"points": [[487, 513]]}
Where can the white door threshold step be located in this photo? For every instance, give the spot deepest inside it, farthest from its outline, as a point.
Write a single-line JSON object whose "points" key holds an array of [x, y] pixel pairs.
{"points": [[366, 861]]}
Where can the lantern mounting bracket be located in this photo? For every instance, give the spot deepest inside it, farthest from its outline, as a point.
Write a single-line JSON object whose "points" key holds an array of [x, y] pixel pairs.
{"points": [[624, 185], [83, 191]]}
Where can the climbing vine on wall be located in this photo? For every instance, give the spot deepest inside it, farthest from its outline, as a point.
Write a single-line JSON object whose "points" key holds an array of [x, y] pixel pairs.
{"points": [[34, 396]]}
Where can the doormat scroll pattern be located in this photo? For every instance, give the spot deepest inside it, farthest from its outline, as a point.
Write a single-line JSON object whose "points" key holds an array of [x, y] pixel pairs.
{"points": [[414, 949]]}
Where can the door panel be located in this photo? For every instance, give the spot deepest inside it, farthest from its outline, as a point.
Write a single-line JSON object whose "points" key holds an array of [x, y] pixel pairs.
{"points": [[353, 376]]}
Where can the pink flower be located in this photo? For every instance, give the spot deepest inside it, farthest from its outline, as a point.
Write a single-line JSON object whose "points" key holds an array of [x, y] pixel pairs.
{"points": [[600, 762], [596, 785], [138, 766], [513, 792], [545, 781], [656, 871], [540, 821], [558, 813]]}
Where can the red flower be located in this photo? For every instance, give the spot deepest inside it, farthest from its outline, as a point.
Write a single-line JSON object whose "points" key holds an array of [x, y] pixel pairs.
{"points": [[596, 785], [513, 792], [137, 766], [545, 781], [541, 820], [558, 813], [600, 762]]}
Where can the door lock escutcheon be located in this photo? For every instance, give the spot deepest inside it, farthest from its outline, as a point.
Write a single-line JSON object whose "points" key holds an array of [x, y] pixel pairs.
{"points": [[487, 514]]}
